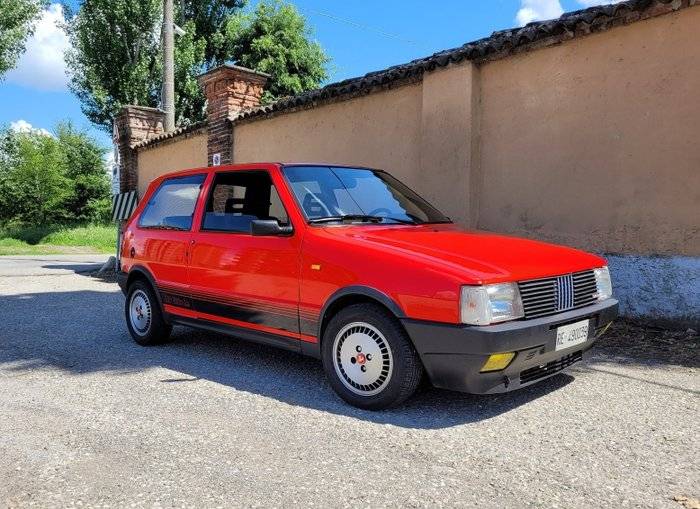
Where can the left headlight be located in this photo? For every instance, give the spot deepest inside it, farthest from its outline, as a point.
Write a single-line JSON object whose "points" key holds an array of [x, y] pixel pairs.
{"points": [[603, 285], [483, 305]]}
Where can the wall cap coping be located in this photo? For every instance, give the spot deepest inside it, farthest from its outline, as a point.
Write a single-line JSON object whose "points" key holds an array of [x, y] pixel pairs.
{"points": [[181, 132], [232, 70], [130, 107], [499, 44]]}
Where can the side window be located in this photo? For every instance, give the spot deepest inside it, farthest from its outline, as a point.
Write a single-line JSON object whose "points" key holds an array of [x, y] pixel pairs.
{"points": [[237, 198], [172, 205]]}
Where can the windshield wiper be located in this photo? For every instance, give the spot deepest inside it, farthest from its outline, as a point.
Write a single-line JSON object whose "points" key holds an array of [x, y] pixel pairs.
{"points": [[359, 217], [346, 217], [399, 220]]}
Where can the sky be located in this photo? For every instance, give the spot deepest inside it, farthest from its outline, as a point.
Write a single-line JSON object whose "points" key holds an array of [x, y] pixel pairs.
{"points": [[359, 36]]}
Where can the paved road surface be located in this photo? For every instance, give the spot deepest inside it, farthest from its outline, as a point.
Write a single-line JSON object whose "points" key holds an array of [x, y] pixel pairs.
{"points": [[90, 418]]}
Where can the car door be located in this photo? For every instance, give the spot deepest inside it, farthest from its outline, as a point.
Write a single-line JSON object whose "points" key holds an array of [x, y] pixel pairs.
{"points": [[165, 233], [237, 278]]}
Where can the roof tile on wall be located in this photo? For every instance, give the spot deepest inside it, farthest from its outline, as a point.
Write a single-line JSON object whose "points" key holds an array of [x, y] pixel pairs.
{"points": [[498, 45]]}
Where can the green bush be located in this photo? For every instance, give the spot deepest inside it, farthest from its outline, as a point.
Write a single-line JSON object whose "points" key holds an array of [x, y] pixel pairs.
{"points": [[47, 179], [102, 237], [23, 239]]}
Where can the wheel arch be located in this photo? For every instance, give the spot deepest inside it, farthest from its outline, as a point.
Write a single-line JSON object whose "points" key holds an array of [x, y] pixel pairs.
{"points": [[354, 295], [140, 273]]}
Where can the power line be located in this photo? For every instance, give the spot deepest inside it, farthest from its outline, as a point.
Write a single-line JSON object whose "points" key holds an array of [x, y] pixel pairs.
{"points": [[368, 28]]}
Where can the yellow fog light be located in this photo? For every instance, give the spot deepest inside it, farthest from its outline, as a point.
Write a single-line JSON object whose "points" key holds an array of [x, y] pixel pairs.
{"points": [[497, 361]]}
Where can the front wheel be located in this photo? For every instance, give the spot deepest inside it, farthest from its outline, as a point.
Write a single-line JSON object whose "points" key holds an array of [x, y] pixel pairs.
{"points": [[369, 359], [144, 317]]}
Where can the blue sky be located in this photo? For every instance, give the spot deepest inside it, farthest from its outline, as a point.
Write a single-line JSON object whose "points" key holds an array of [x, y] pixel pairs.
{"points": [[360, 36]]}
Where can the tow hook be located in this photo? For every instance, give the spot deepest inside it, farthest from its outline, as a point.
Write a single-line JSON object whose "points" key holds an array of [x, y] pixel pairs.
{"points": [[506, 381]]}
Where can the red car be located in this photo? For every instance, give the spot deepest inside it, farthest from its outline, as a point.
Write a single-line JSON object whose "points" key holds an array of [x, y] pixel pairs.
{"points": [[351, 266]]}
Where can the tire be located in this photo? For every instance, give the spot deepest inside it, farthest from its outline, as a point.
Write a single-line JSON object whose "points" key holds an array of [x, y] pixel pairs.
{"points": [[369, 359], [144, 318]]}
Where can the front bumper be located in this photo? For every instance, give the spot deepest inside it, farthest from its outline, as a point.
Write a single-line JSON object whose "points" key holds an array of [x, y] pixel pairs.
{"points": [[454, 354]]}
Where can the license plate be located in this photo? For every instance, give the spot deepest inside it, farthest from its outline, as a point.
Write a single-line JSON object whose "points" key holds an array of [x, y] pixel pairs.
{"points": [[572, 334]]}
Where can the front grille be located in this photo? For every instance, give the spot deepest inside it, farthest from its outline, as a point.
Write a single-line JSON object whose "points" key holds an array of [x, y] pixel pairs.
{"points": [[548, 296], [532, 374]]}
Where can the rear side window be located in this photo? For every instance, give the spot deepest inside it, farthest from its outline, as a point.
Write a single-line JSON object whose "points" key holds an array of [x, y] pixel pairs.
{"points": [[238, 198], [172, 205]]}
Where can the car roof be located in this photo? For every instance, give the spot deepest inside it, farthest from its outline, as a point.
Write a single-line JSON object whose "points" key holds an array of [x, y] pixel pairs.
{"points": [[253, 166]]}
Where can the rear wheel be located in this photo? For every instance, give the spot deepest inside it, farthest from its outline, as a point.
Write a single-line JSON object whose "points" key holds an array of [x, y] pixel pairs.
{"points": [[144, 317], [369, 359]]}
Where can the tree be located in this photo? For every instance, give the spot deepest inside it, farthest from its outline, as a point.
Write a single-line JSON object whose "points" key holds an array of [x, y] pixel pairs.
{"points": [[275, 39], [209, 19], [115, 57], [16, 25], [116, 52], [34, 187], [46, 179], [83, 162]]}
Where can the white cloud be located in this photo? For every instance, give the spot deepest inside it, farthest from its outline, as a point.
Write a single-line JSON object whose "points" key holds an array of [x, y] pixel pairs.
{"points": [[536, 10], [42, 65], [22, 126]]}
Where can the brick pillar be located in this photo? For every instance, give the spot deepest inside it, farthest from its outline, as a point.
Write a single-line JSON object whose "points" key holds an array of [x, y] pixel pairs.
{"points": [[133, 125], [228, 89]]}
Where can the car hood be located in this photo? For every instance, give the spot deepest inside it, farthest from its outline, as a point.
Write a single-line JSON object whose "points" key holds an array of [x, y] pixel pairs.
{"points": [[476, 257]]}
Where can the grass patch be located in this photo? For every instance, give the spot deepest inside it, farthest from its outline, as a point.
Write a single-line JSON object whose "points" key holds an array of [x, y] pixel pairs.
{"points": [[54, 239]]}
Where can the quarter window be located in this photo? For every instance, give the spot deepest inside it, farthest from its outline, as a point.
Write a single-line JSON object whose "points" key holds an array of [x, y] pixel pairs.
{"points": [[172, 205], [238, 198]]}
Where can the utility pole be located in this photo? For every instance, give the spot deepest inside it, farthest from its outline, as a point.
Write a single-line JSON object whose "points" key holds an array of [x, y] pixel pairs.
{"points": [[168, 66]]}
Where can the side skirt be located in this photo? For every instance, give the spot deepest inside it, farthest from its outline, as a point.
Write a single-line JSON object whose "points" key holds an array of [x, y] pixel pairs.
{"points": [[264, 338]]}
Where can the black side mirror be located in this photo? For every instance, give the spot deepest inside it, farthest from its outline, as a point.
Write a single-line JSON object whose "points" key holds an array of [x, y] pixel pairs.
{"points": [[269, 227]]}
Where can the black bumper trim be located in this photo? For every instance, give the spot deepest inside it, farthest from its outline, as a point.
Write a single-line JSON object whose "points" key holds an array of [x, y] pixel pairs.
{"points": [[454, 354]]}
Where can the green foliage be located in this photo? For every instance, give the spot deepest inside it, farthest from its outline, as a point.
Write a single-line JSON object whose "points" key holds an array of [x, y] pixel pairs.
{"points": [[34, 187], [115, 57], [209, 22], [83, 160], [46, 179], [47, 239], [101, 237], [275, 39], [16, 17], [190, 52]]}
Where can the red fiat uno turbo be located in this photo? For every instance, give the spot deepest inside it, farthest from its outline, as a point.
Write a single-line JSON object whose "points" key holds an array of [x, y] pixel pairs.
{"points": [[350, 266]]}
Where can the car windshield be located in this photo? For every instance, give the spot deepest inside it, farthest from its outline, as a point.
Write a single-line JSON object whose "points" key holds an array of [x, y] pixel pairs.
{"points": [[328, 194]]}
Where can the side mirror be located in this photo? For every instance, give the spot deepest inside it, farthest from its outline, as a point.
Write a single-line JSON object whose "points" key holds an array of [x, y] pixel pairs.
{"points": [[269, 227]]}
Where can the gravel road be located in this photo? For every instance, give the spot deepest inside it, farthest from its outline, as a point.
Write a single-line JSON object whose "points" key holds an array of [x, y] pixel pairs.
{"points": [[89, 418]]}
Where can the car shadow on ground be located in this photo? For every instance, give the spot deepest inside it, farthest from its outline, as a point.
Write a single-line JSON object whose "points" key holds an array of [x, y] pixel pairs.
{"points": [[77, 267], [84, 332]]}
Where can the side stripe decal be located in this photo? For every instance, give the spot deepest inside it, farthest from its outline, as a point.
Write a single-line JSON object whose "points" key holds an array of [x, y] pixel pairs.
{"points": [[276, 317]]}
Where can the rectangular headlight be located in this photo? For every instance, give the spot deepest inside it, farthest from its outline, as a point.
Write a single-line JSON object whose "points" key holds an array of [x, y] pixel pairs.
{"points": [[603, 285], [483, 305]]}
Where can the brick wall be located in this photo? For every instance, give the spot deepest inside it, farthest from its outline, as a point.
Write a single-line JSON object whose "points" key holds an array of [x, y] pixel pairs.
{"points": [[134, 124], [228, 89]]}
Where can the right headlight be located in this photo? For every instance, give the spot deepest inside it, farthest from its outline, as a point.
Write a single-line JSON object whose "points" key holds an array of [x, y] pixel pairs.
{"points": [[483, 305], [603, 285]]}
